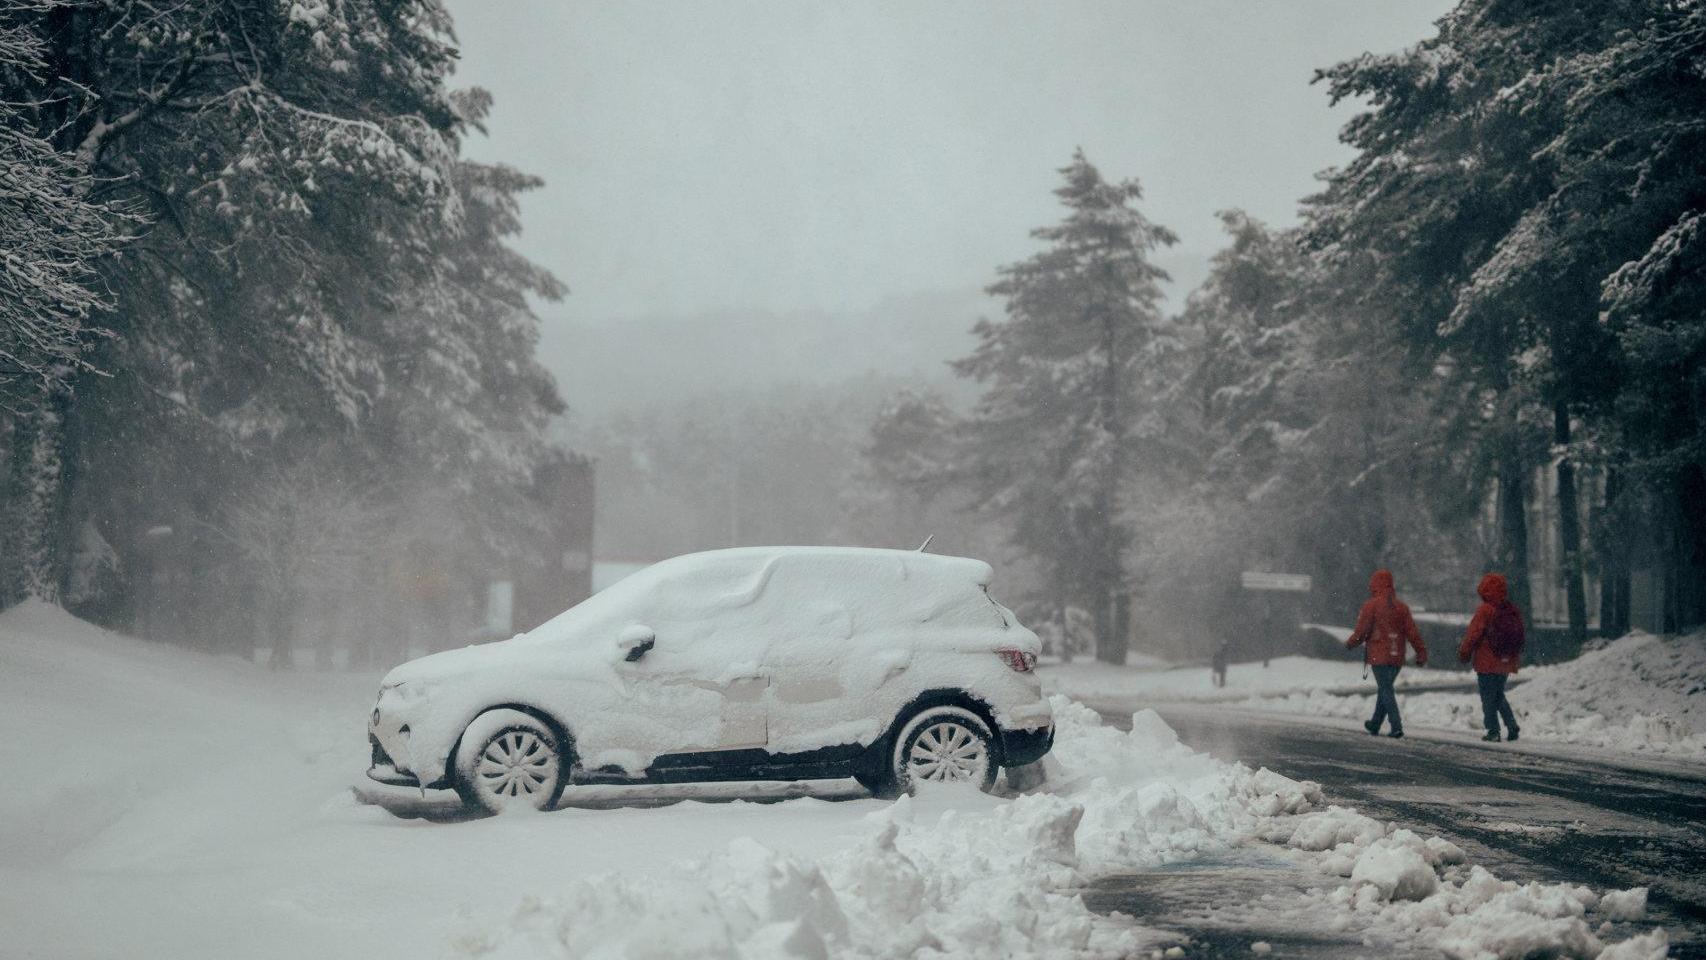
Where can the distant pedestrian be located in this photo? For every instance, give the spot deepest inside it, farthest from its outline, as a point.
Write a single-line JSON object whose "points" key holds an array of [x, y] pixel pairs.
{"points": [[1222, 654], [1494, 641], [1383, 627]]}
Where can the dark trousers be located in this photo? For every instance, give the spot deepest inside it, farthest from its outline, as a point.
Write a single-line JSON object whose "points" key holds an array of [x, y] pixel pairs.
{"points": [[1493, 702], [1385, 700]]}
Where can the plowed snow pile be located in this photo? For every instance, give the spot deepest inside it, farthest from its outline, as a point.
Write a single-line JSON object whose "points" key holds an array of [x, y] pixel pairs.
{"points": [[1406, 888], [949, 872], [177, 805], [1150, 681], [1638, 693]]}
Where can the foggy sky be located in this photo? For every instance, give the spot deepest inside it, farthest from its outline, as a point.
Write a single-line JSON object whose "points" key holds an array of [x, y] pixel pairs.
{"points": [[706, 157]]}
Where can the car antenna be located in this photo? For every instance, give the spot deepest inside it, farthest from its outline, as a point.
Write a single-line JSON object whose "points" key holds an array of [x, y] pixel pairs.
{"points": [[926, 542]]}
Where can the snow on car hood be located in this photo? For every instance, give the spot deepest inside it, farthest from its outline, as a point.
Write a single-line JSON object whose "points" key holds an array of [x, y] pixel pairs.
{"points": [[503, 656]]}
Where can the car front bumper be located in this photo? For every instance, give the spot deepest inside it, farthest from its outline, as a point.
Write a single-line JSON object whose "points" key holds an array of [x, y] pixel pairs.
{"points": [[387, 774], [384, 770]]}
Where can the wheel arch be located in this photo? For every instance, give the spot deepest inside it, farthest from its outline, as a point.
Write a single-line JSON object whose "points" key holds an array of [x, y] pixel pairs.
{"points": [[560, 730], [944, 697]]}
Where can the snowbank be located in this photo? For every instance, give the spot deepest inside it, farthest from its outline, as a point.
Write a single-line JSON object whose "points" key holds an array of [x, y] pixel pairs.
{"points": [[957, 875], [1088, 680], [948, 872], [208, 814], [1640, 694]]}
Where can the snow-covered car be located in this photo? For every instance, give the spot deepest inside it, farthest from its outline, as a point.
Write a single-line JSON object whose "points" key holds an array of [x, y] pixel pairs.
{"points": [[764, 663]]}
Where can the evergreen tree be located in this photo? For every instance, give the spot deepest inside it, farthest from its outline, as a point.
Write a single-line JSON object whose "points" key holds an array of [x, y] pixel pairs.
{"points": [[1249, 342], [291, 162], [53, 233], [1321, 442], [1633, 141], [1063, 412], [1484, 241], [53, 236]]}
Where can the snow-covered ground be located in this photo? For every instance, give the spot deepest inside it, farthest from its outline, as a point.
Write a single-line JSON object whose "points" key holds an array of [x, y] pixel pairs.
{"points": [[1640, 694], [165, 804], [1156, 683]]}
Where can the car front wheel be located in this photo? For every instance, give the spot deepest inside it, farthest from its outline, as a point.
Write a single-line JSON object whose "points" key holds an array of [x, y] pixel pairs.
{"points": [[944, 745], [509, 760]]}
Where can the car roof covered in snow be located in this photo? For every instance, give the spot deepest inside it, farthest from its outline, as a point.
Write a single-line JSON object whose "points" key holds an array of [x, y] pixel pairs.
{"points": [[691, 585], [976, 571]]}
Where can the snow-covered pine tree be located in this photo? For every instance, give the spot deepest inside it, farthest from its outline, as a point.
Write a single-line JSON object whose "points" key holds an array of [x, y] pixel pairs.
{"points": [[54, 233], [1634, 135], [466, 405], [294, 162], [1509, 169], [1248, 345], [1311, 431], [1066, 375]]}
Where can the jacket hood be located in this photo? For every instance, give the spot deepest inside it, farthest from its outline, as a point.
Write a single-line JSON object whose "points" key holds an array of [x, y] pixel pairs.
{"points": [[1493, 588], [1380, 584]]}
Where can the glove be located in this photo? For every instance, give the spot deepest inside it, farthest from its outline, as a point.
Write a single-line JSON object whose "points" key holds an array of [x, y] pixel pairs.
{"points": [[1421, 661]]}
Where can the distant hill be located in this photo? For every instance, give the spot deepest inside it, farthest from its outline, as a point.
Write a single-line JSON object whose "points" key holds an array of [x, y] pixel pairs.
{"points": [[617, 365], [607, 366]]}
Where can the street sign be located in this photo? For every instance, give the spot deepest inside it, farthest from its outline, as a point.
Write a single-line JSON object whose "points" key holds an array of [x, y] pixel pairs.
{"points": [[1294, 582]]}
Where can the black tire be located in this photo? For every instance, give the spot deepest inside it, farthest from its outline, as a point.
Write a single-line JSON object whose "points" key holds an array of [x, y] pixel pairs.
{"points": [[943, 743], [508, 760]]}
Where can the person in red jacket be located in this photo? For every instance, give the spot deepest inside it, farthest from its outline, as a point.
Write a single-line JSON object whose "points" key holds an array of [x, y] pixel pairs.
{"points": [[1494, 641], [1383, 628]]}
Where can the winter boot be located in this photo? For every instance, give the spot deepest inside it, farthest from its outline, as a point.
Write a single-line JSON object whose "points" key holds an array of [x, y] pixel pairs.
{"points": [[1493, 736], [1512, 734], [1396, 734], [1372, 728]]}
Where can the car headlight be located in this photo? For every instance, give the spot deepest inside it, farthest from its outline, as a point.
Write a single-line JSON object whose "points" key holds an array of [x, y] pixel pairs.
{"points": [[398, 697]]}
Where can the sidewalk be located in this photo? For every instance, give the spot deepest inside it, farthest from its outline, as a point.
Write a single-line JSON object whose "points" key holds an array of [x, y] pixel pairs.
{"points": [[1660, 766], [1282, 677]]}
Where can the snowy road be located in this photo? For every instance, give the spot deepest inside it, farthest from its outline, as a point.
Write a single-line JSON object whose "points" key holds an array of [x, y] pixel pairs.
{"points": [[1527, 817]]}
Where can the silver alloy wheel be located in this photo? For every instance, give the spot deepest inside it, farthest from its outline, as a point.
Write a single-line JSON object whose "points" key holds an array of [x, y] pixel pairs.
{"points": [[948, 751], [516, 765]]}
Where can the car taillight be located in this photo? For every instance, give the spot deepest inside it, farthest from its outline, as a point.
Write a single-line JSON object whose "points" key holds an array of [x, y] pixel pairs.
{"points": [[1021, 660]]}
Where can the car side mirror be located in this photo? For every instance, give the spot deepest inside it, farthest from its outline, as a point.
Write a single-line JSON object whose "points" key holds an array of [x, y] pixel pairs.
{"points": [[635, 639]]}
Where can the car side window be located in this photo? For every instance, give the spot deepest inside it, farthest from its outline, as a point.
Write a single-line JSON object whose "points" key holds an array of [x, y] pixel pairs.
{"points": [[703, 616]]}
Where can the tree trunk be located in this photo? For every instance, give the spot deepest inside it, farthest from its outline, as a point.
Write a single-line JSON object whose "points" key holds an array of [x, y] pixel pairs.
{"points": [[11, 569], [40, 478], [1612, 545], [280, 629], [1063, 621], [1569, 527], [1122, 623], [1513, 523], [1101, 605], [1685, 561], [1112, 614], [1610, 585]]}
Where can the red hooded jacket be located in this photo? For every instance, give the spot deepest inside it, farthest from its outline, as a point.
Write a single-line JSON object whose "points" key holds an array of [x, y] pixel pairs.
{"points": [[1385, 625], [1476, 642]]}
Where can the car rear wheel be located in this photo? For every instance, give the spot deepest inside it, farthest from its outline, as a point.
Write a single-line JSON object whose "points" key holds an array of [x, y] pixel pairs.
{"points": [[944, 745], [509, 760]]}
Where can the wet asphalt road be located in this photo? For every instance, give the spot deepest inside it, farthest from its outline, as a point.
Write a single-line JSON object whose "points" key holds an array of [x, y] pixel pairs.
{"points": [[1525, 817]]}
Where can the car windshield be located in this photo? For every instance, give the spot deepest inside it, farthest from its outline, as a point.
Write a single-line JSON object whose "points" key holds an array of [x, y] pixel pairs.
{"points": [[618, 602]]}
